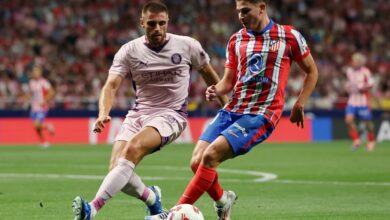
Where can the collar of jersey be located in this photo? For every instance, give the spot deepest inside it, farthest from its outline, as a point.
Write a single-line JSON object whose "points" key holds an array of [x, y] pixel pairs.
{"points": [[267, 28], [157, 49]]}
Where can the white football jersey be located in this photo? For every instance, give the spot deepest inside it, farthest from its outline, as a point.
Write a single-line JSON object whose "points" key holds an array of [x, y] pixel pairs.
{"points": [[160, 77]]}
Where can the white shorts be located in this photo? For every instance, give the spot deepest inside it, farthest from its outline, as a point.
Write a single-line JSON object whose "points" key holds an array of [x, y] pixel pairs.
{"points": [[169, 123]]}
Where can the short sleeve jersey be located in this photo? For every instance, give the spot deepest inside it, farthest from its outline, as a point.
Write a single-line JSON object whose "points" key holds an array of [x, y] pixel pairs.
{"points": [[160, 77], [262, 62]]}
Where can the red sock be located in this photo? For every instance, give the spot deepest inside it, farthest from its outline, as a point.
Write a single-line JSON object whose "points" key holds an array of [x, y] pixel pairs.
{"points": [[370, 136], [215, 191], [200, 183], [354, 134]]}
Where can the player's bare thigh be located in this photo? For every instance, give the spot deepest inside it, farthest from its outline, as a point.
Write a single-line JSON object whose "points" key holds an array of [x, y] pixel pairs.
{"points": [[217, 152], [146, 141], [140, 145], [349, 118]]}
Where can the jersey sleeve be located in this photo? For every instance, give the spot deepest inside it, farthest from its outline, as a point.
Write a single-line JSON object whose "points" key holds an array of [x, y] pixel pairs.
{"points": [[299, 47], [120, 64], [231, 58], [46, 85], [198, 56], [368, 79]]}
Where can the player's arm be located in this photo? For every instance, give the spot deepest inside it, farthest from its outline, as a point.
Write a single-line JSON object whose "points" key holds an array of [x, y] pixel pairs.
{"points": [[106, 100], [211, 78], [308, 65], [50, 94], [223, 87]]}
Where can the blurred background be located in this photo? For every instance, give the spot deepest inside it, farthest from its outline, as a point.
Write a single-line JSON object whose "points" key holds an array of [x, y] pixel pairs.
{"points": [[75, 42], [314, 173]]}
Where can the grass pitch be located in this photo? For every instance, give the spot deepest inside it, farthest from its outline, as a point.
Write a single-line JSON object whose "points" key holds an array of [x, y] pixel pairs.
{"points": [[314, 181]]}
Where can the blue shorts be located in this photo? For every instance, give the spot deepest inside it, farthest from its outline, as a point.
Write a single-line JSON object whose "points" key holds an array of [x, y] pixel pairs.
{"points": [[38, 115], [243, 131], [364, 113]]}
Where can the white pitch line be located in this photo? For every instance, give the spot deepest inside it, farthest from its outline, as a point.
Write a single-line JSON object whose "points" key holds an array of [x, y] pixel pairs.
{"points": [[157, 178], [312, 182]]}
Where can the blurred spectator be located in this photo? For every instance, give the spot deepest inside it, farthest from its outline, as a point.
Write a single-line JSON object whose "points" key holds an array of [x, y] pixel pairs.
{"points": [[75, 41]]}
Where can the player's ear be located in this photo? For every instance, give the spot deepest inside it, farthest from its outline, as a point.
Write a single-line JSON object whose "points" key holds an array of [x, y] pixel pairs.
{"points": [[263, 7], [142, 22]]}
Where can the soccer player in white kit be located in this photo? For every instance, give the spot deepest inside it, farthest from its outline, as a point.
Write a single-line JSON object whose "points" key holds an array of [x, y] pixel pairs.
{"points": [[359, 82], [159, 64], [39, 95]]}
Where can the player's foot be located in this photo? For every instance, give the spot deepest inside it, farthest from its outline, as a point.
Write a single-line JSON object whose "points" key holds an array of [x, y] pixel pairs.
{"points": [[161, 216], [45, 144], [81, 209], [370, 146], [156, 208], [51, 129], [356, 144], [223, 211]]}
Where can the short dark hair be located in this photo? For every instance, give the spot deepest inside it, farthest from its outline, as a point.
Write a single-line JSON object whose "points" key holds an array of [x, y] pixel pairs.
{"points": [[155, 7]]}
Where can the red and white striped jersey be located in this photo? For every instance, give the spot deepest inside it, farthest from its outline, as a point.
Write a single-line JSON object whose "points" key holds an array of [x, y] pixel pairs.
{"points": [[262, 62], [39, 89], [359, 80]]}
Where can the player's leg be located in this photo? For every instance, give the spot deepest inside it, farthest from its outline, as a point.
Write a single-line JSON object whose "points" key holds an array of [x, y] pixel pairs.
{"points": [[370, 135], [237, 139], [351, 126], [366, 115], [215, 191], [217, 152], [38, 128], [122, 174], [38, 118]]}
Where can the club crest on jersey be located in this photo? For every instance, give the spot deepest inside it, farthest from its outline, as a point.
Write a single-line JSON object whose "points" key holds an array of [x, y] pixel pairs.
{"points": [[274, 45], [176, 58]]}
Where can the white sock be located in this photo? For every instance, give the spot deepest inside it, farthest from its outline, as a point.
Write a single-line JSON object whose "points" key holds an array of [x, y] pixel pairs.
{"points": [[136, 188], [93, 210], [222, 200], [115, 180]]}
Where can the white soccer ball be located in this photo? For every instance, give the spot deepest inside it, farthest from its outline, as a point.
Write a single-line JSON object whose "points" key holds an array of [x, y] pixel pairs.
{"points": [[185, 212]]}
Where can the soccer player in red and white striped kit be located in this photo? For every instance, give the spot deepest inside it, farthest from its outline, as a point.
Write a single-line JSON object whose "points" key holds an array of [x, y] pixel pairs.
{"points": [[359, 83], [259, 57]]}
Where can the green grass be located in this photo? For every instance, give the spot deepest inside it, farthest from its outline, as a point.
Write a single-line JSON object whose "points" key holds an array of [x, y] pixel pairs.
{"points": [[315, 181]]}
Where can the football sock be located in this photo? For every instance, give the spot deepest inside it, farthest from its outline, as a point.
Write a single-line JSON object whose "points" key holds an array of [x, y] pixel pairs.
{"points": [[370, 136], [222, 200], [215, 191], [115, 180], [200, 183], [354, 134], [136, 188]]}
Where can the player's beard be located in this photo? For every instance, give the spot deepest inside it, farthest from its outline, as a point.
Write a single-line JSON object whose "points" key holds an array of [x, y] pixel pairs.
{"points": [[157, 40]]}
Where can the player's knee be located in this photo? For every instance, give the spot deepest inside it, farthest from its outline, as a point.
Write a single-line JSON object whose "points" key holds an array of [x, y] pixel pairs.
{"points": [[210, 157], [134, 151], [348, 120]]}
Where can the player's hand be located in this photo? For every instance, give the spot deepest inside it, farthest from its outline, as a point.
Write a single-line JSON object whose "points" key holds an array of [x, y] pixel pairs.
{"points": [[211, 93], [100, 123], [297, 115]]}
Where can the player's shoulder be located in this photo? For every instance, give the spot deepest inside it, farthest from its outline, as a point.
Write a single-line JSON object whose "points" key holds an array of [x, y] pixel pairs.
{"points": [[289, 29], [182, 38], [365, 69], [130, 45], [237, 34]]}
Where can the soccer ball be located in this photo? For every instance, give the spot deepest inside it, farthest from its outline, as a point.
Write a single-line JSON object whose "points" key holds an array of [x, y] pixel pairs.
{"points": [[185, 212]]}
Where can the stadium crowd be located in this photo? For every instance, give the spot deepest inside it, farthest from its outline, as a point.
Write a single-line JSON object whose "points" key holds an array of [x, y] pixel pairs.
{"points": [[75, 41]]}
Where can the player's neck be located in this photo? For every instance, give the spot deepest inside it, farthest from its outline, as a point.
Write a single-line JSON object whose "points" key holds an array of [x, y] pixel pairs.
{"points": [[262, 24]]}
